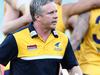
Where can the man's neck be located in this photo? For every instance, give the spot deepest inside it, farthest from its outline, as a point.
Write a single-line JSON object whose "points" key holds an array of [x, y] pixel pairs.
{"points": [[42, 32]]}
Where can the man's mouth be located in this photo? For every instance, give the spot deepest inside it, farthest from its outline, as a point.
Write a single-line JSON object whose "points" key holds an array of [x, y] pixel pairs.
{"points": [[54, 22]]}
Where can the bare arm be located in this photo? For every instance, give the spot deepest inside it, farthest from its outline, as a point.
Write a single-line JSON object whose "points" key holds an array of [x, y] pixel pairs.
{"points": [[11, 2], [75, 71], [14, 25], [79, 7], [10, 13], [12, 21], [80, 30], [72, 21]]}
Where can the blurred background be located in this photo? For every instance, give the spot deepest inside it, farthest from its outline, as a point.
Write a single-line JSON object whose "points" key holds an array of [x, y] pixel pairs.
{"points": [[68, 1], [2, 9]]}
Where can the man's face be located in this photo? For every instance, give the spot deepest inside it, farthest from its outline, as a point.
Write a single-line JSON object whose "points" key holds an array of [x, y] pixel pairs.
{"points": [[49, 16], [58, 1]]}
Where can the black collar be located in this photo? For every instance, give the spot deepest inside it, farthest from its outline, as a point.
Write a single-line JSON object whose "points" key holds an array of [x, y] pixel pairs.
{"points": [[33, 32]]}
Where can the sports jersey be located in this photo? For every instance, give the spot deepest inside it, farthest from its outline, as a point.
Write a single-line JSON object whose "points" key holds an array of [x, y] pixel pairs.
{"points": [[30, 55], [90, 48]]}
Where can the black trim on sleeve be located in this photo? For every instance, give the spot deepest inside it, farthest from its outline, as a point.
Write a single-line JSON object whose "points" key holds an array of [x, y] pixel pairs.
{"points": [[69, 59], [8, 50]]}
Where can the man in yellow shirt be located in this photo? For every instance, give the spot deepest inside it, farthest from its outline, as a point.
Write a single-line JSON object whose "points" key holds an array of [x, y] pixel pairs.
{"points": [[31, 50]]}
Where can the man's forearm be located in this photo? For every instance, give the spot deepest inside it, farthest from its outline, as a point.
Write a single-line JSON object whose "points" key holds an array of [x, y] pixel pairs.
{"points": [[80, 7], [13, 25], [80, 30]]}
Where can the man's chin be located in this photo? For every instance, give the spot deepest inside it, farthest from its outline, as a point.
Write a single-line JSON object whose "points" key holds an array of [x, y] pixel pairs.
{"points": [[53, 26]]}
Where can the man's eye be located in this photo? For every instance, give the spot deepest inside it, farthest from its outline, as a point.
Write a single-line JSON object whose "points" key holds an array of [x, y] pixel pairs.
{"points": [[51, 12]]}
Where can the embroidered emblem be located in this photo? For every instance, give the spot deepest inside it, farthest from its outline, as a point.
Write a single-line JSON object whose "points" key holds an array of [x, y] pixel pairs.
{"points": [[58, 46]]}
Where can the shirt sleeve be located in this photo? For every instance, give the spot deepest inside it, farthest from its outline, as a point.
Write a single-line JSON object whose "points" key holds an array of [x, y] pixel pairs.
{"points": [[69, 59], [8, 50]]}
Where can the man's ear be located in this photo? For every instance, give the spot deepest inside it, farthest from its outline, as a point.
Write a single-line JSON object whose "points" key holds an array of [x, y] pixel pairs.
{"points": [[37, 17]]}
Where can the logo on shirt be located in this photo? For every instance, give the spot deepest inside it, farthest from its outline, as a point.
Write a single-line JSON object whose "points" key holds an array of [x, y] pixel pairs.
{"points": [[31, 47], [58, 46]]}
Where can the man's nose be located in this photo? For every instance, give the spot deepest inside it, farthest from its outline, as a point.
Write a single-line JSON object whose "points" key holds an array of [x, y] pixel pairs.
{"points": [[55, 16]]}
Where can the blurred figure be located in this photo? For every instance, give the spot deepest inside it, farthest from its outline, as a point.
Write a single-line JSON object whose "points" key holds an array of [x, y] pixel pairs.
{"points": [[89, 50], [21, 7], [90, 47], [16, 13]]}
